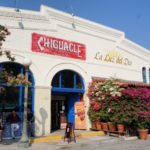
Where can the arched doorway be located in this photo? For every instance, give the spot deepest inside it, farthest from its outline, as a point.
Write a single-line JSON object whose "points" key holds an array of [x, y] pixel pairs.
{"points": [[67, 88], [13, 96]]}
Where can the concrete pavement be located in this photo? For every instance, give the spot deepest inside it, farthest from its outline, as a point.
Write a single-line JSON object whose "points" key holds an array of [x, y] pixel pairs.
{"points": [[89, 143]]}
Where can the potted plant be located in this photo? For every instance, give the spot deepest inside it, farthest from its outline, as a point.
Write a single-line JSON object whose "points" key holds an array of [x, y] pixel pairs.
{"points": [[143, 125], [93, 117], [104, 116], [101, 94]]}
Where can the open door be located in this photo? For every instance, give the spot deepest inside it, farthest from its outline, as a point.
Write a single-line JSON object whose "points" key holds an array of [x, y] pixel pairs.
{"points": [[72, 98]]}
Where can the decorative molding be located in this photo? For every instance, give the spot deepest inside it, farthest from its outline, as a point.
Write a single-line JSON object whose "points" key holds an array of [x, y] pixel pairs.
{"points": [[92, 26], [24, 16], [42, 87], [135, 49], [87, 33]]}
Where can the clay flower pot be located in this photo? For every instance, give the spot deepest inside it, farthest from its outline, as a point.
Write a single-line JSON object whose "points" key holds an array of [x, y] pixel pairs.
{"points": [[93, 125], [120, 128], [143, 134], [104, 126], [111, 126], [98, 125]]}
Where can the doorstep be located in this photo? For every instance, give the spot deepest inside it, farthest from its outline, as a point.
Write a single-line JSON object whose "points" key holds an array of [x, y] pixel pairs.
{"points": [[60, 137]]}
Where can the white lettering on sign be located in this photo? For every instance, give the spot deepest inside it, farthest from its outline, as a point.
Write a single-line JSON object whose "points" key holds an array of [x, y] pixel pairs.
{"points": [[44, 42]]}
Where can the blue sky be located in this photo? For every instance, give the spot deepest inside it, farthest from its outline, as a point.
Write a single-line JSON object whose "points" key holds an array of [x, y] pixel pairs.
{"points": [[129, 16]]}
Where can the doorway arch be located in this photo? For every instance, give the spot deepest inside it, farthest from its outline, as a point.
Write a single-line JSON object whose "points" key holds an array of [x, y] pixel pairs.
{"points": [[67, 88]]}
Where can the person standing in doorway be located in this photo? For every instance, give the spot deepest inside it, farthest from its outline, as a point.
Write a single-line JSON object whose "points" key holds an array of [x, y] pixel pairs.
{"points": [[30, 122], [13, 119]]}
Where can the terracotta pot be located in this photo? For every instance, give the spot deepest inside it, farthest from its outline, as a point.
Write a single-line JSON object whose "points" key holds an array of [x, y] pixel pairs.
{"points": [[120, 128], [98, 125], [111, 126], [143, 133], [104, 126], [93, 125]]}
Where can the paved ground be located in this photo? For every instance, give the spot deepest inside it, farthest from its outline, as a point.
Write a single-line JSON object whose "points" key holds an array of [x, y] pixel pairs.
{"points": [[92, 143]]}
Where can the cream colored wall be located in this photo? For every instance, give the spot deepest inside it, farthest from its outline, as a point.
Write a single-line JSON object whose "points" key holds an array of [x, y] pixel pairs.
{"points": [[42, 111]]}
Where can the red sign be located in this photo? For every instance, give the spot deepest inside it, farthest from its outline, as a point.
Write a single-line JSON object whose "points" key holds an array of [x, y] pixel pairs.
{"points": [[55, 46]]}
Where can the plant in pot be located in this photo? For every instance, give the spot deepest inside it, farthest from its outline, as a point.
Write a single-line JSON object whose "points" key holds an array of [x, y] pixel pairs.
{"points": [[143, 125], [129, 105], [104, 116], [100, 94], [119, 120], [120, 116], [93, 116]]}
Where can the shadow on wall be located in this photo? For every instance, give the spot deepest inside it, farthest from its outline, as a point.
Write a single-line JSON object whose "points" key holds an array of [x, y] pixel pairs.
{"points": [[44, 116]]}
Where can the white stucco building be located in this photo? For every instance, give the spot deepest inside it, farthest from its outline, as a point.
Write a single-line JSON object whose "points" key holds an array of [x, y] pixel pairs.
{"points": [[71, 49]]}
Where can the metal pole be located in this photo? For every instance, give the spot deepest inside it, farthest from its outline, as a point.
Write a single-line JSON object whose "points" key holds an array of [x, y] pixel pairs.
{"points": [[24, 141]]}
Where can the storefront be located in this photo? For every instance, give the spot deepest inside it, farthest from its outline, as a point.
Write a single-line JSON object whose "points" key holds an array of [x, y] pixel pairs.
{"points": [[66, 53]]}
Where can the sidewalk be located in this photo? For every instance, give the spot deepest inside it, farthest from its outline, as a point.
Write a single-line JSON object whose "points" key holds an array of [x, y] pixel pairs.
{"points": [[60, 135], [88, 143], [56, 137], [58, 144], [88, 140]]}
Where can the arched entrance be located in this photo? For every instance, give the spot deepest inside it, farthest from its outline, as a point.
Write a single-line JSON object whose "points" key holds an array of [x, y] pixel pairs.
{"points": [[67, 88], [13, 96]]}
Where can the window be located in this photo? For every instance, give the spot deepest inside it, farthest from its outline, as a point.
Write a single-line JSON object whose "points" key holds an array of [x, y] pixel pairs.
{"points": [[149, 75], [67, 79], [144, 74], [12, 97]]}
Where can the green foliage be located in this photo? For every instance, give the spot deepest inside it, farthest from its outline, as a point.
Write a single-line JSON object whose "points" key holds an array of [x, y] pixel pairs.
{"points": [[93, 115], [3, 33]]}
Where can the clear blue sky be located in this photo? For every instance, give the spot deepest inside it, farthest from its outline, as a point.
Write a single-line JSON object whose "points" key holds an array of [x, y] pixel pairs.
{"points": [[129, 16]]}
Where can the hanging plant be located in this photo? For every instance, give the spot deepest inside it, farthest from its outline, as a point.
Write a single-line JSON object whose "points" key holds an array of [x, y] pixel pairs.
{"points": [[20, 79]]}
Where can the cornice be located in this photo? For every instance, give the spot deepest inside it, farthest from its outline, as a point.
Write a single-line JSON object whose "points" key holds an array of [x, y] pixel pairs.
{"points": [[24, 15], [135, 49], [92, 26]]}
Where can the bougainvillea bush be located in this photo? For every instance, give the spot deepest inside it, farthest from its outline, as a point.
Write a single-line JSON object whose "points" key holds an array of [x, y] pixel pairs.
{"points": [[128, 105], [101, 95]]}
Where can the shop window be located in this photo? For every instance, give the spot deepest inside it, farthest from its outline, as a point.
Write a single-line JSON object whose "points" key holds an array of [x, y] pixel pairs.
{"points": [[144, 74]]}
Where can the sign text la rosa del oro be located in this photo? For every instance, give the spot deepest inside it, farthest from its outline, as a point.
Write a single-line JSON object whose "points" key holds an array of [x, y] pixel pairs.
{"points": [[113, 57], [56, 46]]}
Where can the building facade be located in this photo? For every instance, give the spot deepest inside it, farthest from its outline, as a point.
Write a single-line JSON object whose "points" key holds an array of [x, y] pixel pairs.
{"points": [[66, 53]]}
